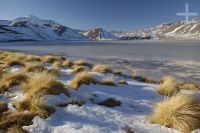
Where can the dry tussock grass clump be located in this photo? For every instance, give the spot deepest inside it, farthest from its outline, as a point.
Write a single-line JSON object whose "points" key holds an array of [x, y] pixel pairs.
{"points": [[189, 86], [50, 59], [34, 68], [9, 80], [44, 83], [144, 79], [81, 78], [102, 68], [169, 86], [3, 107], [32, 58], [15, 56], [16, 129], [16, 119], [68, 63], [82, 63], [54, 72], [77, 69], [150, 80], [110, 102], [38, 68], [11, 56], [181, 112], [34, 104], [3, 55], [108, 81], [1, 71], [57, 64]]}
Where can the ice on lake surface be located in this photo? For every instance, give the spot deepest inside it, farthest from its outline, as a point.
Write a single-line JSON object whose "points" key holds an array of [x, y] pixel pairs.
{"points": [[148, 58]]}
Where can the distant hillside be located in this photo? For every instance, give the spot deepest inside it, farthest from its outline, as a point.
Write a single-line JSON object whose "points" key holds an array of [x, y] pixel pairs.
{"points": [[175, 31], [99, 34], [33, 28]]}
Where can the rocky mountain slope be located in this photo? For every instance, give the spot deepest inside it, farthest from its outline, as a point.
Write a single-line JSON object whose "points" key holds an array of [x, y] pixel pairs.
{"points": [[175, 30], [99, 34], [33, 28]]}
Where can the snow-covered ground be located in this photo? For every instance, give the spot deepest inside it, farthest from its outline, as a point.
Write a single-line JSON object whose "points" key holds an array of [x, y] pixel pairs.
{"points": [[137, 101]]}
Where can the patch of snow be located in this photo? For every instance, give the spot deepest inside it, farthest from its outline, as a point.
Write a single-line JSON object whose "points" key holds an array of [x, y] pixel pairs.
{"points": [[137, 100], [15, 68], [52, 100]]}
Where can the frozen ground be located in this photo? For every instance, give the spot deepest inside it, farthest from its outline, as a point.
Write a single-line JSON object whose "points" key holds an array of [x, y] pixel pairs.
{"points": [[156, 68], [137, 101]]}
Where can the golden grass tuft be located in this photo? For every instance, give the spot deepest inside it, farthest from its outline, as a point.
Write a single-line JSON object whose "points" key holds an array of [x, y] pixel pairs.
{"points": [[34, 68], [169, 86], [57, 64], [81, 78], [9, 80], [3, 107], [32, 58], [102, 68], [181, 112], [1, 71], [50, 59], [110, 102], [68, 63], [189, 86], [3, 55], [54, 72], [82, 63], [77, 69], [16, 58], [108, 81], [38, 68], [16, 119], [122, 82], [43, 82], [34, 104], [145, 79], [12, 56], [16, 129]]}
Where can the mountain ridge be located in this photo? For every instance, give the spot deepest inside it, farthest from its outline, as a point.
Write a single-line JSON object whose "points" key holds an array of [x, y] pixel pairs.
{"points": [[170, 31], [36, 29], [33, 28]]}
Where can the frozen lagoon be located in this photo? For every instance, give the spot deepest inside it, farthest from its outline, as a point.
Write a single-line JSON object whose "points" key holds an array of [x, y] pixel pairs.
{"points": [[147, 58]]}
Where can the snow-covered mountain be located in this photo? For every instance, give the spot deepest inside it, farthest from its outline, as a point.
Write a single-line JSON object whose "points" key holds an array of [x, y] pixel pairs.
{"points": [[33, 28], [99, 34], [174, 31]]}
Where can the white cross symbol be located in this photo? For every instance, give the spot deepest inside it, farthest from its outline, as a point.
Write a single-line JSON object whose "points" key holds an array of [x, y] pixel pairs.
{"points": [[187, 13]]}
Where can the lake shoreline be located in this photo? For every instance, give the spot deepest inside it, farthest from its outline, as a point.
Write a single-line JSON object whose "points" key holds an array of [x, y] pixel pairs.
{"points": [[145, 58]]}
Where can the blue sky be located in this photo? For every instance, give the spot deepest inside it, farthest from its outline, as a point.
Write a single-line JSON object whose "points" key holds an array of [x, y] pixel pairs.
{"points": [[123, 15]]}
